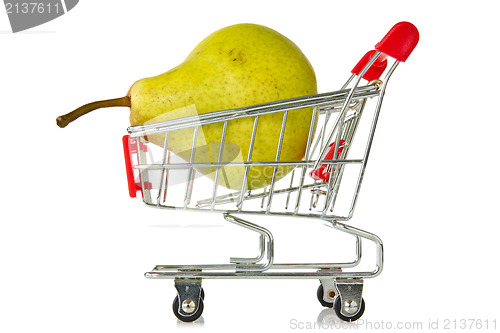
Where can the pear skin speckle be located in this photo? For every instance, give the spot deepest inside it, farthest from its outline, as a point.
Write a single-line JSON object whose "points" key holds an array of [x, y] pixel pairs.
{"points": [[236, 66]]}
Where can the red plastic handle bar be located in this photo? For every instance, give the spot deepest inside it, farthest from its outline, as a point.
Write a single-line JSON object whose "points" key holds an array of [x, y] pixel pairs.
{"points": [[132, 186], [400, 41], [375, 70]]}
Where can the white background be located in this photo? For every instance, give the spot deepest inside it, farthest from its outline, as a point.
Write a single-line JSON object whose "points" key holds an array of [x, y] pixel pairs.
{"points": [[74, 246]]}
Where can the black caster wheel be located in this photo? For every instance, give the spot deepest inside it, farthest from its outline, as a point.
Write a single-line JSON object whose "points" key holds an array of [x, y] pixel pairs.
{"points": [[192, 317], [337, 305], [320, 298]]}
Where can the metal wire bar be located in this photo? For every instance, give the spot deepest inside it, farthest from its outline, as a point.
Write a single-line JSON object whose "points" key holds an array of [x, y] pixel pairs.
{"points": [[308, 163], [219, 159], [306, 157], [327, 99], [249, 159], [164, 174], [371, 136], [348, 137], [191, 170], [278, 154]]}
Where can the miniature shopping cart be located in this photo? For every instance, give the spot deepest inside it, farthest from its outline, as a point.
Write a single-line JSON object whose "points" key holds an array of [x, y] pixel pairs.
{"points": [[323, 185]]}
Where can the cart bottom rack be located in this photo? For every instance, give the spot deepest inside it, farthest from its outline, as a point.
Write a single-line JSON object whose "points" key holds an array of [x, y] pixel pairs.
{"points": [[338, 289]]}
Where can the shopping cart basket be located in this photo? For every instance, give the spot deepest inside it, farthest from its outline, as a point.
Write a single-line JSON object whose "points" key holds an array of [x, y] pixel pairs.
{"points": [[324, 185]]}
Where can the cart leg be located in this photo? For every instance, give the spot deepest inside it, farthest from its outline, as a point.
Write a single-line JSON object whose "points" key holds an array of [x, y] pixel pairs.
{"points": [[262, 251], [188, 304], [349, 304], [327, 291], [266, 244]]}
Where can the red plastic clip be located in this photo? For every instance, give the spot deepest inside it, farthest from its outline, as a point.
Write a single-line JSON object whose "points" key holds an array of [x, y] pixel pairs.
{"points": [[323, 172], [400, 41], [130, 148], [376, 69]]}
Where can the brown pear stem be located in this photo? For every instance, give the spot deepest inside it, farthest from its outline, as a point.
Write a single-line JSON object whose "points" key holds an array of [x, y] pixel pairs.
{"points": [[63, 121]]}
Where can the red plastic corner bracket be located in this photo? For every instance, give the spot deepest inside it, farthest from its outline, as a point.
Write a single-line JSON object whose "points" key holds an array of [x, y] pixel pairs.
{"points": [[133, 188], [375, 70], [400, 41], [322, 173]]}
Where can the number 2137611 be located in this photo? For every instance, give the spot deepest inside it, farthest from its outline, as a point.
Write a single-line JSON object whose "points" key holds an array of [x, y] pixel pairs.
{"points": [[32, 8], [468, 324]]}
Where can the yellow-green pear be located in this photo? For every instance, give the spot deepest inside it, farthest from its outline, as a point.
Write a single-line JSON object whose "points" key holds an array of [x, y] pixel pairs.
{"points": [[236, 66]]}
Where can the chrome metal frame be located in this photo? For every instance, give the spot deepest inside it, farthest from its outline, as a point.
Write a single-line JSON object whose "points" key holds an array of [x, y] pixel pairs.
{"points": [[348, 104], [251, 268]]}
